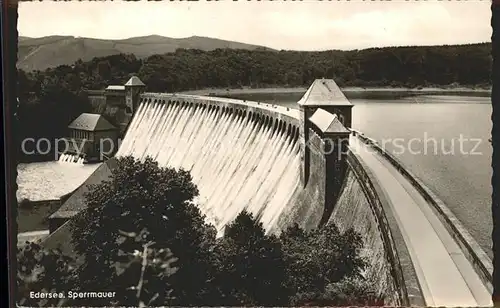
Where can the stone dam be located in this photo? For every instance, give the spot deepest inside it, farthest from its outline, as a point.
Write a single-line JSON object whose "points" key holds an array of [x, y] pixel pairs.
{"points": [[310, 167]]}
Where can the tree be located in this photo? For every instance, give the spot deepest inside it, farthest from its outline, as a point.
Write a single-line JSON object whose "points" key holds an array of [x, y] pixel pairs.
{"points": [[104, 69], [352, 292], [43, 271], [252, 267], [320, 259], [150, 267], [153, 203], [347, 292], [142, 238], [51, 99]]}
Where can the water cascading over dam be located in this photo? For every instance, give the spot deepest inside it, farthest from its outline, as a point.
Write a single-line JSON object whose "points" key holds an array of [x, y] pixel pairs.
{"points": [[238, 161], [69, 158], [309, 167]]}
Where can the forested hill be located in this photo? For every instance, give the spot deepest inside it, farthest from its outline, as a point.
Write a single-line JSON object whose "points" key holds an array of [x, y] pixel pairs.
{"points": [[188, 69], [57, 95], [51, 51]]}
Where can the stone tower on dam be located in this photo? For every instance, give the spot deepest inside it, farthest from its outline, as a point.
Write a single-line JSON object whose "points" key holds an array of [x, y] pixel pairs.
{"points": [[323, 94], [324, 114], [305, 167], [307, 185], [118, 103]]}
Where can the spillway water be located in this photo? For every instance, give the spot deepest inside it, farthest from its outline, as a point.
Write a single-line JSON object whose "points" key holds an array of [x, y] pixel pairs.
{"points": [[236, 162], [70, 158]]}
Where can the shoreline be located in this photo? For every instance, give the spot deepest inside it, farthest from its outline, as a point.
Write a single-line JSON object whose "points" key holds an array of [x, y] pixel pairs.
{"points": [[298, 90]]}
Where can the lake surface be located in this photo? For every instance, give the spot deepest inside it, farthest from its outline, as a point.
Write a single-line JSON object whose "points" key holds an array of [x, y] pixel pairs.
{"points": [[50, 180], [442, 139]]}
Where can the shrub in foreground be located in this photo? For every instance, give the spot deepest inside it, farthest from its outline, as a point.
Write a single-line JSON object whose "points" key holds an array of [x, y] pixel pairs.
{"points": [[142, 238]]}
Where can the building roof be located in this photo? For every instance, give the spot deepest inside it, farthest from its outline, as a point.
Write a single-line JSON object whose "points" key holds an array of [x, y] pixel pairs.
{"points": [[134, 81], [62, 239], [327, 122], [77, 202], [91, 122], [324, 92], [115, 88]]}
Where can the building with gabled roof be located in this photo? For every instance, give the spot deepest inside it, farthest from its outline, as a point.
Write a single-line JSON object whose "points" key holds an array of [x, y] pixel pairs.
{"points": [[117, 102], [91, 122], [77, 202], [326, 94], [115, 88], [92, 137]]}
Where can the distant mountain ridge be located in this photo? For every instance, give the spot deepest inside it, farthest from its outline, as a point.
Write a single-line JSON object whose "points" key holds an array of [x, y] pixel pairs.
{"points": [[51, 51]]}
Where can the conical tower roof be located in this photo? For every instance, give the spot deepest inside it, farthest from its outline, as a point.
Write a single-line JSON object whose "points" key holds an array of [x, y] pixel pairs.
{"points": [[134, 81], [324, 92]]}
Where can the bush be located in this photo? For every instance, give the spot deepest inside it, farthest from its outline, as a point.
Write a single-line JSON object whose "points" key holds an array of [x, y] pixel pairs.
{"points": [[321, 256], [142, 238], [143, 198], [252, 266], [352, 292], [43, 270]]}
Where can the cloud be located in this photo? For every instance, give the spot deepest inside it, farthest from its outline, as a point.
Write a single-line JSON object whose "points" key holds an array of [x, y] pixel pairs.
{"points": [[307, 25]]}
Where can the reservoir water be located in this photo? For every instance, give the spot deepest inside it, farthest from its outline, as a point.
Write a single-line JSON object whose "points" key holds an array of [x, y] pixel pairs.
{"points": [[50, 180], [443, 140]]}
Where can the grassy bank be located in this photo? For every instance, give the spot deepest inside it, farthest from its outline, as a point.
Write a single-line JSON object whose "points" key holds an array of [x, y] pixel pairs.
{"points": [[349, 90]]}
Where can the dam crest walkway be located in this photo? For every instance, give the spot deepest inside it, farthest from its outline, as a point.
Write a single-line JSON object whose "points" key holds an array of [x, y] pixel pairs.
{"points": [[445, 275]]}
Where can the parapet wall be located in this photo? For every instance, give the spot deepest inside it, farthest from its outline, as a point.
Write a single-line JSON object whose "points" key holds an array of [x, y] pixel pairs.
{"points": [[310, 202], [307, 204], [405, 281], [274, 115], [353, 211], [474, 253]]}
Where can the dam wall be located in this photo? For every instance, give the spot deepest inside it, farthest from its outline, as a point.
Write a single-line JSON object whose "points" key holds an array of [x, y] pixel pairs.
{"points": [[315, 190], [362, 206], [284, 166], [242, 155], [474, 253], [353, 211], [249, 145], [310, 201], [268, 185]]}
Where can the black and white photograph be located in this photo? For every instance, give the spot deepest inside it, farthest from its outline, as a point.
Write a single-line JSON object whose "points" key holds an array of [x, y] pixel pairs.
{"points": [[254, 153]]}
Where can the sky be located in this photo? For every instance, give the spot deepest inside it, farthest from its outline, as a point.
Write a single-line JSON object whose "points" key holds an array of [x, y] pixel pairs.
{"points": [[304, 25]]}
